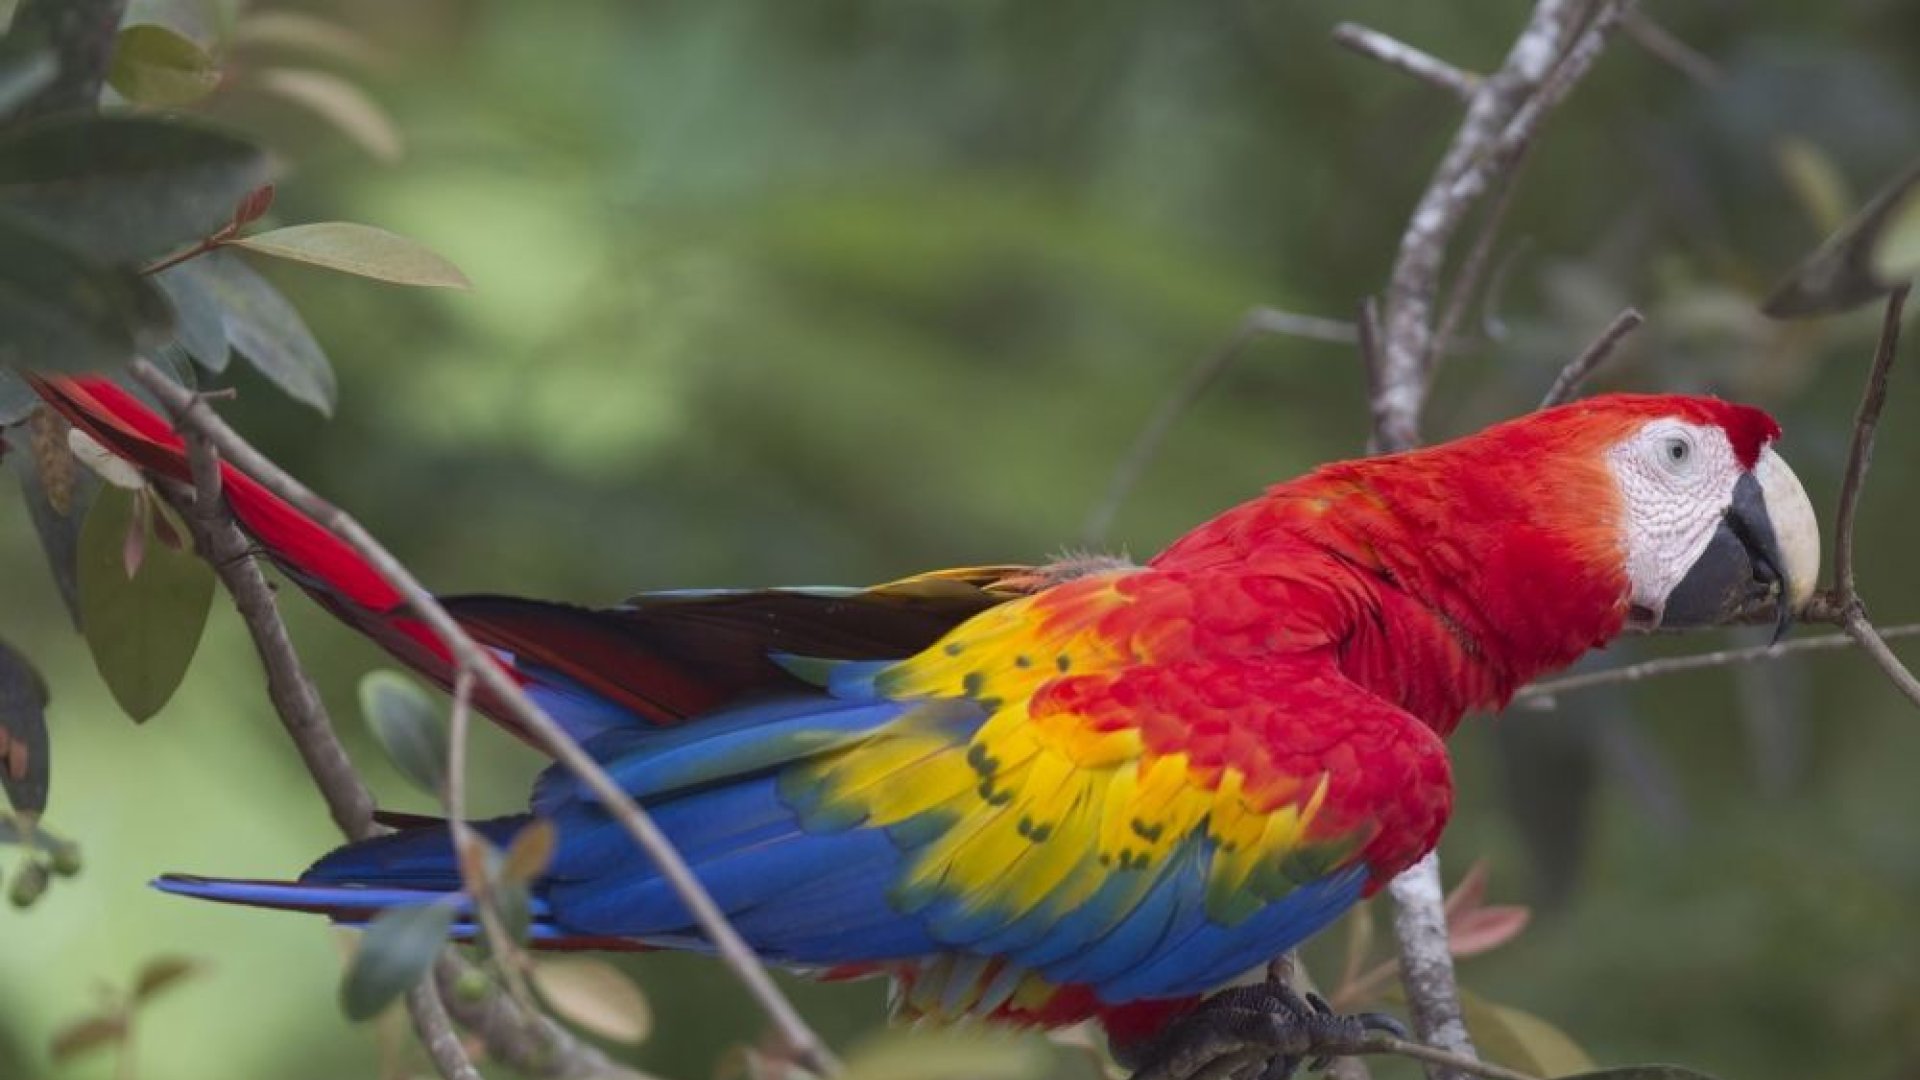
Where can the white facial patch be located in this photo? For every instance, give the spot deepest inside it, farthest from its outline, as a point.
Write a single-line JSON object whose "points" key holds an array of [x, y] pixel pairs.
{"points": [[1676, 481]]}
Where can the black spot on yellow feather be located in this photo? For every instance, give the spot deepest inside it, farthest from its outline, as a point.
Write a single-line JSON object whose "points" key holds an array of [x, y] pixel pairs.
{"points": [[1149, 833], [955, 648], [983, 763], [1023, 660], [972, 683], [1063, 661], [993, 796]]}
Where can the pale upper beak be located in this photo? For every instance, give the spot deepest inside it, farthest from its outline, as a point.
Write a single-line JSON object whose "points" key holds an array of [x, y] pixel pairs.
{"points": [[1766, 550]]}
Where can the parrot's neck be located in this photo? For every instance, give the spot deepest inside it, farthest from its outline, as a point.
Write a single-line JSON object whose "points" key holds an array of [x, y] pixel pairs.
{"points": [[1446, 586]]}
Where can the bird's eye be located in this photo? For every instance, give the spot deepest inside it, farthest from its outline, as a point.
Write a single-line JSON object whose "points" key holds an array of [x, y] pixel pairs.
{"points": [[1676, 452]]}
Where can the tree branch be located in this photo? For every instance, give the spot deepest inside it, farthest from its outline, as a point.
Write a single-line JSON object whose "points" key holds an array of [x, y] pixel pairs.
{"points": [[1661, 42], [1400, 56], [193, 413], [1866, 423], [295, 699], [529, 1042], [1200, 377], [1458, 181], [1582, 367], [1426, 961], [437, 1034], [1541, 694]]}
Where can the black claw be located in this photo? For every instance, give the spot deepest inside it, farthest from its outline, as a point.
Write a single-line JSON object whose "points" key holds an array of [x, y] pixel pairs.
{"points": [[1383, 1022], [1291, 1029]]}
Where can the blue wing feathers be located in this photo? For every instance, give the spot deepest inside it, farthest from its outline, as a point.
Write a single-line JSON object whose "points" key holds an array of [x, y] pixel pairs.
{"points": [[804, 887]]}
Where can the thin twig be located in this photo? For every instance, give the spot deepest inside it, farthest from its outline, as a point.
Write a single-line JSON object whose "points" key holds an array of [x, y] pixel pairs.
{"points": [[295, 699], [525, 1041], [1199, 378], [1545, 691], [1866, 423], [468, 850], [529, 1042], [1582, 367], [1380, 1043], [1400, 56], [437, 1035], [1874, 642], [467, 652], [1467, 280], [1661, 42]]}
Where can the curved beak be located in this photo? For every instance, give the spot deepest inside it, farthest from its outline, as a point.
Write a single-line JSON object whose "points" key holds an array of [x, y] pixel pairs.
{"points": [[1767, 549]]}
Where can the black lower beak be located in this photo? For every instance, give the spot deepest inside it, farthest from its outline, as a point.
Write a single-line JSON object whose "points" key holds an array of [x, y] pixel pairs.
{"points": [[1741, 567]]}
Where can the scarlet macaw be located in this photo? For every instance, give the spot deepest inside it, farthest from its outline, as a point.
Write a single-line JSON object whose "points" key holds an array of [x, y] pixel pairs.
{"points": [[1050, 794]]}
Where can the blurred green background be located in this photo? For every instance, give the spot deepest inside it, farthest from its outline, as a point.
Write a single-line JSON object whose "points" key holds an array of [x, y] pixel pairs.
{"points": [[837, 290]]}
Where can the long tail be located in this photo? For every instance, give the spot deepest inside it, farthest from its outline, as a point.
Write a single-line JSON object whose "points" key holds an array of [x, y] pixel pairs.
{"points": [[654, 661], [410, 868]]}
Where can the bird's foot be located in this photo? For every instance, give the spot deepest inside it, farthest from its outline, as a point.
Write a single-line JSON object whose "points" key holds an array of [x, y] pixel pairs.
{"points": [[1263, 1032]]}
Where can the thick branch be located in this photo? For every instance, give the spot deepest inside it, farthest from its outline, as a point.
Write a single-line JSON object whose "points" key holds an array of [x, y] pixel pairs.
{"points": [[437, 1034], [1462, 175], [194, 414], [1426, 961]]}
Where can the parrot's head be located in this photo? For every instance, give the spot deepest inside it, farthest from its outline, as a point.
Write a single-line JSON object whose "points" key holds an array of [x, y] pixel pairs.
{"points": [[1712, 520]]}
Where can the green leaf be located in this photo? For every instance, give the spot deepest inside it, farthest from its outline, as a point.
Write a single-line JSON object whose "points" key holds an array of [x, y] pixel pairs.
{"points": [[359, 249], [340, 103], [154, 65], [1521, 1040], [409, 726], [203, 22], [23, 733], [126, 189], [594, 995], [1816, 181], [1896, 252], [398, 948], [58, 493], [514, 903], [144, 630], [1872, 253], [199, 327], [529, 853], [953, 1054], [63, 310], [263, 327], [299, 32]]}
